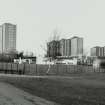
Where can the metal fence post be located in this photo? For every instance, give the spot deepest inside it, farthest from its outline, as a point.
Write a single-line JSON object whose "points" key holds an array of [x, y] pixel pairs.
{"points": [[57, 69], [24, 69], [29, 67], [6, 67], [11, 69], [2, 66], [74, 68], [36, 69], [66, 69], [17, 67]]}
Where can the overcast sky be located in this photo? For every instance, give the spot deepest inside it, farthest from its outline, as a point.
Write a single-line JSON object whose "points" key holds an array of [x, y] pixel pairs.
{"points": [[36, 19]]}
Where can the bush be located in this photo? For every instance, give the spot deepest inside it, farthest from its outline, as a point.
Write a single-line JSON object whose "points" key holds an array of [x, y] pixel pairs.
{"points": [[102, 65]]}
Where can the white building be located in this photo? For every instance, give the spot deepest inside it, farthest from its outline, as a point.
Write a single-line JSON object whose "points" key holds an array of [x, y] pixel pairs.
{"points": [[76, 46], [7, 37]]}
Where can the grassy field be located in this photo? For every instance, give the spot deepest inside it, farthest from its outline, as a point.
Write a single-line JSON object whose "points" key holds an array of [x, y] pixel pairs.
{"points": [[76, 89]]}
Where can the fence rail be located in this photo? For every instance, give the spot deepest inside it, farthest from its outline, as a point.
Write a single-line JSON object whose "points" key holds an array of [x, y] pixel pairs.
{"points": [[39, 69]]}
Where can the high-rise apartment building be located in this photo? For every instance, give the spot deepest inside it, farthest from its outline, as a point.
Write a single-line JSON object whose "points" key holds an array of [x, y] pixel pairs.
{"points": [[97, 51], [53, 49], [65, 47], [7, 37], [62, 47], [93, 51], [76, 46], [1, 41], [104, 50], [68, 47]]}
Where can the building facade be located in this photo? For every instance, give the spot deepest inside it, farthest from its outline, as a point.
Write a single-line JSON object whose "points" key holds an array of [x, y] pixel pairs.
{"points": [[98, 51], [53, 49], [76, 46], [65, 47], [1, 40], [62, 47], [68, 47], [7, 37], [104, 50], [72, 47]]}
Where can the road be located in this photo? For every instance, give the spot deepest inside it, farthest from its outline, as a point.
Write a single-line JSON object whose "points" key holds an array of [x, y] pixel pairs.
{"points": [[10, 95]]}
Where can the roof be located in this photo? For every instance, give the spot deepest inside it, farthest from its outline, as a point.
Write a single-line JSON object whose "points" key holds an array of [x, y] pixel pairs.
{"points": [[27, 57], [75, 37], [8, 24]]}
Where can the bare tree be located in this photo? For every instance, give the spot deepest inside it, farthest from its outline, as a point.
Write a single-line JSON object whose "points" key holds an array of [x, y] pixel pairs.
{"points": [[55, 36], [85, 52]]}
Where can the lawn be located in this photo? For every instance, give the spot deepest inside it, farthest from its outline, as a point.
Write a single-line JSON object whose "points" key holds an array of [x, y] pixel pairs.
{"points": [[75, 89]]}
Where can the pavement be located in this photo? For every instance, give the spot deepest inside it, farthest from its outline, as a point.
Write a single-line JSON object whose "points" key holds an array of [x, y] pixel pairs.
{"points": [[36, 76], [10, 95]]}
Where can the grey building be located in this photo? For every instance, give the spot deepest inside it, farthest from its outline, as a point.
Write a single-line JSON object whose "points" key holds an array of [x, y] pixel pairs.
{"points": [[72, 47], [65, 47], [53, 49], [97, 51], [104, 50], [68, 47], [7, 37], [76, 46], [1, 41]]}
